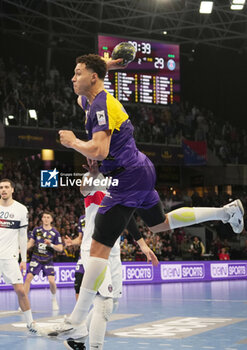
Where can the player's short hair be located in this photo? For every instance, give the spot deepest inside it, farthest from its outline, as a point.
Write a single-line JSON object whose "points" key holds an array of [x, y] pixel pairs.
{"points": [[47, 212], [94, 62], [12, 184]]}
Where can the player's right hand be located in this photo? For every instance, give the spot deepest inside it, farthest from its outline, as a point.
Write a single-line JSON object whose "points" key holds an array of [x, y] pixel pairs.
{"points": [[114, 64], [68, 241]]}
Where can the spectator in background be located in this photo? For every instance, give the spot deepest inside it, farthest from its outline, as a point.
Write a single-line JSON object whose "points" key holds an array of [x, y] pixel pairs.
{"points": [[186, 251], [224, 255], [197, 249]]}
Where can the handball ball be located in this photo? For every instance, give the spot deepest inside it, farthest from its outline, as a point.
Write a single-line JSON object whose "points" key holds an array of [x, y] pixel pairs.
{"points": [[126, 51]]}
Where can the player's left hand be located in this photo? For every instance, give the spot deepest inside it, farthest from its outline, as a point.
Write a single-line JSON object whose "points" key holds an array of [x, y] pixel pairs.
{"points": [[92, 166], [151, 257], [23, 268], [47, 241], [67, 138]]}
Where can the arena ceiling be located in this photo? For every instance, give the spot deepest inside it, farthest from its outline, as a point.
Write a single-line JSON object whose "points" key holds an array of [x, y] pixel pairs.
{"points": [[72, 25]]}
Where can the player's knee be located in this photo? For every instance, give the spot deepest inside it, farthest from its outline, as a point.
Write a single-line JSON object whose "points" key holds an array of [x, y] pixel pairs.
{"points": [[104, 306], [20, 291], [99, 250], [29, 277]]}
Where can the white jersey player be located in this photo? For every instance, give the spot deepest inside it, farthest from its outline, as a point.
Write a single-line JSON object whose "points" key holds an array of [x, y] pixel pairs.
{"points": [[13, 236], [110, 291]]}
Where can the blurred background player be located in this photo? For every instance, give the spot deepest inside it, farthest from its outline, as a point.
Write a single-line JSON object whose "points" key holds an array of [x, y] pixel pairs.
{"points": [[13, 235], [110, 291], [45, 239]]}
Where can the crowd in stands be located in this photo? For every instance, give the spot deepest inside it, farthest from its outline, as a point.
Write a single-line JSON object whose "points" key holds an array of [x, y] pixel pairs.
{"points": [[67, 205], [51, 95]]}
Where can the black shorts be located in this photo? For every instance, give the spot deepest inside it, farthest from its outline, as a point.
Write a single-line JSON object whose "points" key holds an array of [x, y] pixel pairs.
{"points": [[109, 226], [78, 281]]}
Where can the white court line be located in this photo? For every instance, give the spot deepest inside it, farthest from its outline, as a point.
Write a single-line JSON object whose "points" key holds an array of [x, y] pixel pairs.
{"points": [[208, 347], [164, 344], [186, 346], [9, 312], [143, 343]]}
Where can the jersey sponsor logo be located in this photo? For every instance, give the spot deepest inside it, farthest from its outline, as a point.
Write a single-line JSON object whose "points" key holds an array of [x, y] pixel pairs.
{"points": [[101, 117], [49, 178], [12, 224]]}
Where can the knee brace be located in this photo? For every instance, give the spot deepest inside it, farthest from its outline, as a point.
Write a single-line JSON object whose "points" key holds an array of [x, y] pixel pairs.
{"points": [[104, 306]]}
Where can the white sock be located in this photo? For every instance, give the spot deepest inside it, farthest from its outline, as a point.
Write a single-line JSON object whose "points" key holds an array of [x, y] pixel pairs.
{"points": [[28, 316], [54, 296], [101, 314], [92, 280], [188, 216]]}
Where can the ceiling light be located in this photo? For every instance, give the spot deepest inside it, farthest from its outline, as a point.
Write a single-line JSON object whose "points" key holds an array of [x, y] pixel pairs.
{"points": [[237, 7], [206, 6], [33, 114], [164, 32], [238, 2]]}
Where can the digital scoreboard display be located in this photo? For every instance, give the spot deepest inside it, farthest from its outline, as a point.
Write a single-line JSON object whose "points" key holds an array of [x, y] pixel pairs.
{"points": [[153, 77]]}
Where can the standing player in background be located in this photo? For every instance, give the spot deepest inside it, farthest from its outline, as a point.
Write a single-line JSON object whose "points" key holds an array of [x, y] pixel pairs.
{"points": [[110, 140], [13, 235], [106, 301], [45, 239], [79, 271]]}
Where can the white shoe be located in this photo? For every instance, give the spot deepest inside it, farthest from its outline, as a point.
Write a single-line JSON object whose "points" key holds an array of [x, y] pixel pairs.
{"points": [[19, 309], [63, 327], [66, 328], [236, 211], [55, 306], [33, 329]]}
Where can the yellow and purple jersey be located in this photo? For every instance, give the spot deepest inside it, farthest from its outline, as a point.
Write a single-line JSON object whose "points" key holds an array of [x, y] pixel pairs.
{"points": [[107, 113], [42, 252], [132, 169]]}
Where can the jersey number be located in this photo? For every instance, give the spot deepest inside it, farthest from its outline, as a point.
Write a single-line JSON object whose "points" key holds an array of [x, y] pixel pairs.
{"points": [[4, 215]]}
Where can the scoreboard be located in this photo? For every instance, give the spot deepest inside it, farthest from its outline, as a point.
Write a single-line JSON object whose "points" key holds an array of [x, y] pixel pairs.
{"points": [[153, 77]]}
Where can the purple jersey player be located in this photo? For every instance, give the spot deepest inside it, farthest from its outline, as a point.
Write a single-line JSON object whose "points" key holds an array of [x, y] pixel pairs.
{"points": [[110, 140], [45, 239]]}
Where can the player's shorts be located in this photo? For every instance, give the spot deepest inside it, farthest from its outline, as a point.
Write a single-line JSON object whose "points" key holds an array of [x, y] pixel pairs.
{"points": [[10, 270], [79, 267], [47, 267], [135, 188], [112, 284], [79, 273]]}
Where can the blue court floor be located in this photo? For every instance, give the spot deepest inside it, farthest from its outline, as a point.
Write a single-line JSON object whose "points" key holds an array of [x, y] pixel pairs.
{"points": [[171, 316]]}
